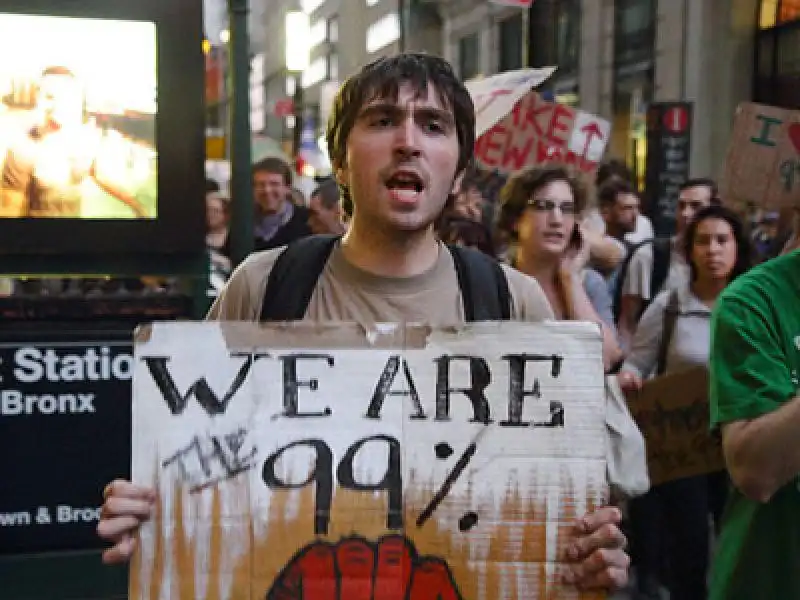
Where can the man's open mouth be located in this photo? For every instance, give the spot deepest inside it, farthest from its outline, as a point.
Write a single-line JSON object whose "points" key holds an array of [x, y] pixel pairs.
{"points": [[405, 183]]}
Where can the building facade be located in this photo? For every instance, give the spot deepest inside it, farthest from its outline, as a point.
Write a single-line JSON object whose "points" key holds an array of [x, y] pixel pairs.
{"points": [[614, 57], [217, 36], [344, 35]]}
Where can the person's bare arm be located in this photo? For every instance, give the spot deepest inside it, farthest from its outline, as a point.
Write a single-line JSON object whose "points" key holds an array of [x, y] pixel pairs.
{"points": [[116, 191], [629, 311], [14, 181], [763, 454], [606, 253], [753, 395]]}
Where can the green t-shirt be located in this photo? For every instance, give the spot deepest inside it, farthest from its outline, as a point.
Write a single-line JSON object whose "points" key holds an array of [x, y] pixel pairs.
{"points": [[755, 365]]}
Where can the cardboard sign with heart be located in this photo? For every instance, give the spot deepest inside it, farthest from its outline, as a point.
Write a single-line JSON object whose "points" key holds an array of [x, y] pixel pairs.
{"points": [[763, 164]]}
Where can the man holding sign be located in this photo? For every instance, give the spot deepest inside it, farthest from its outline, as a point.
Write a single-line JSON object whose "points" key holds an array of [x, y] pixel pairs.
{"points": [[401, 135]]}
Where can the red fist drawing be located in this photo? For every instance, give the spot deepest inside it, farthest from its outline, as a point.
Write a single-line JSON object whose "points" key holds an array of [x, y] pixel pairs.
{"points": [[355, 569]]}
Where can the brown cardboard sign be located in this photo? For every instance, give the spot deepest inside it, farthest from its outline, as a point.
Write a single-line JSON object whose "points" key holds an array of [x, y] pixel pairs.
{"points": [[331, 462], [673, 415], [763, 163]]}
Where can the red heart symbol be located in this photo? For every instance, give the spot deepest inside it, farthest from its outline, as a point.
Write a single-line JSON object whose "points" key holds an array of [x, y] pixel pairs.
{"points": [[794, 135]]}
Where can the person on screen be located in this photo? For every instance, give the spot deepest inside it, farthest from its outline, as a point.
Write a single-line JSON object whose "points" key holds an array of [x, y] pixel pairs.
{"points": [[46, 168]]}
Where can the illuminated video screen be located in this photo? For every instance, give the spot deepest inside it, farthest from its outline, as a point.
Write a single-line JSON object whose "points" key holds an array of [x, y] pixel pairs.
{"points": [[77, 118]]}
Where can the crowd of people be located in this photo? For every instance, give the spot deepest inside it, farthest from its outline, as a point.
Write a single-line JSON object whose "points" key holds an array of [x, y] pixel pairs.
{"points": [[401, 139]]}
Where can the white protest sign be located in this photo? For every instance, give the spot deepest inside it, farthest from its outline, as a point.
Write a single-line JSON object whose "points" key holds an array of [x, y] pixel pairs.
{"points": [[328, 462], [495, 96], [537, 131]]}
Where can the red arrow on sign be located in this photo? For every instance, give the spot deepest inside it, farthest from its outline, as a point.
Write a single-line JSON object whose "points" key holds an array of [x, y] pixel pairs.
{"points": [[592, 130]]}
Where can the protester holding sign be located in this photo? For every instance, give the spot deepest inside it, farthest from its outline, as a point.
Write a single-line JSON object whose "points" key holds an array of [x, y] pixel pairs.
{"points": [[540, 208], [400, 136], [674, 336]]}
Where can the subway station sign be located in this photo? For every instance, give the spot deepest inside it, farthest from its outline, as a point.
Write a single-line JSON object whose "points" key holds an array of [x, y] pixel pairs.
{"points": [[64, 434]]}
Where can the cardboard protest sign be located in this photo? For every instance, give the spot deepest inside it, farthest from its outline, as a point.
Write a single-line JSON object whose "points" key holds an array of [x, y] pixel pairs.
{"points": [[537, 131], [326, 461], [673, 415], [495, 96], [762, 168]]}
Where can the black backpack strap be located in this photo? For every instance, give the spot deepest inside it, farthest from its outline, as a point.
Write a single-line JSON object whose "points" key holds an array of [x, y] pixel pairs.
{"points": [[662, 252], [483, 284], [294, 277], [671, 313], [616, 301]]}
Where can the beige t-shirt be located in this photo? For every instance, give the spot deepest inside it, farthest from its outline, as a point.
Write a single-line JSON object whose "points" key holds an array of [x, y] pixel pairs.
{"points": [[346, 293]]}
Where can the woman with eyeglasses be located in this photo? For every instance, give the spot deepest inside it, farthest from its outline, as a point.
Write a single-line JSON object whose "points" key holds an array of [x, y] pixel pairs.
{"points": [[540, 211], [674, 335]]}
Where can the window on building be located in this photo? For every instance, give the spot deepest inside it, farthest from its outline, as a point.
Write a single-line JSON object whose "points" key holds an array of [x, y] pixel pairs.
{"points": [[777, 77], [635, 30], [555, 39], [769, 14], [309, 6], [333, 30], [469, 56], [318, 33], [511, 46], [291, 85], [777, 12], [333, 67], [383, 32], [634, 80], [568, 36], [317, 71], [789, 11], [372, 2], [555, 31], [542, 53]]}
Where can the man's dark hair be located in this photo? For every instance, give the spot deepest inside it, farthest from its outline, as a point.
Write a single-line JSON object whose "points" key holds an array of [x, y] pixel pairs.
{"points": [[58, 70], [211, 185], [521, 187], [742, 240], [703, 182], [276, 166], [613, 169], [383, 79], [610, 190], [328, 193]]}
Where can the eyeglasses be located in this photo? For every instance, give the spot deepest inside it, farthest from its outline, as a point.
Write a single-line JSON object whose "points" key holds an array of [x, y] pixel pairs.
{"points": [[544, 205]]}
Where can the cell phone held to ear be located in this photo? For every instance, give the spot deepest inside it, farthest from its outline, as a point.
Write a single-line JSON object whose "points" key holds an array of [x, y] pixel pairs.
{"points": [[576, 239], [577, 253]]}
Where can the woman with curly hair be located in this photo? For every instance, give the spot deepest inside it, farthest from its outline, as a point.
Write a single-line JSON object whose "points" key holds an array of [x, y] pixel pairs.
{"points": [[540, 210]]}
